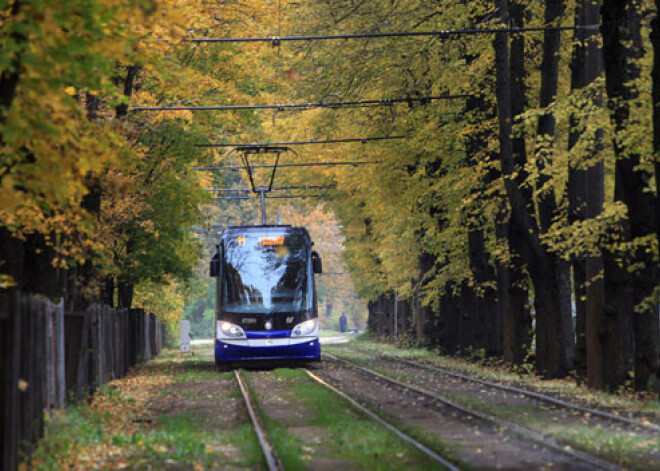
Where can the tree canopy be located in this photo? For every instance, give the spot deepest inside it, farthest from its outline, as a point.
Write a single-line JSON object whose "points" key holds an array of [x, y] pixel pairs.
{"points": [[529, 191]]}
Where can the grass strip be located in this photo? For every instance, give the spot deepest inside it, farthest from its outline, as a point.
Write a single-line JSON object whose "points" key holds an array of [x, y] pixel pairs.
{"points": [[115, 429]]}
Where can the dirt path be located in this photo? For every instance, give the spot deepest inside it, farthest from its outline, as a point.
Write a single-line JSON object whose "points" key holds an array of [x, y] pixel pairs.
{"points": [[477, 445]]}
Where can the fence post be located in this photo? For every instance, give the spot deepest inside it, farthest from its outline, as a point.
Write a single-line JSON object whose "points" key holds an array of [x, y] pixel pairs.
{"points": [[11, 431], [50, 356], [147, 346], [100, 351], [84, 363], [117, 341], [112, 341], [159, 337], [38, 371], [152, 335], [139, 337], [110, 344], [60, 372], [27, 367]]}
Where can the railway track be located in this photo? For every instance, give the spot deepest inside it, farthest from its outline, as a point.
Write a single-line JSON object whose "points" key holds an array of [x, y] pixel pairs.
{"points": [[527, 393], [270, 455], [424, 449], [589, 461]]}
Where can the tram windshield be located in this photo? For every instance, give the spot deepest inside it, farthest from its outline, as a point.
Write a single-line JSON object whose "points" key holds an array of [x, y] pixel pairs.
{"points": [[265, 275]]}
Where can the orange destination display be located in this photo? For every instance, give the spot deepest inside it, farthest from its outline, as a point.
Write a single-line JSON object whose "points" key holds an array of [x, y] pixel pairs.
{"points": [[271, 240]]}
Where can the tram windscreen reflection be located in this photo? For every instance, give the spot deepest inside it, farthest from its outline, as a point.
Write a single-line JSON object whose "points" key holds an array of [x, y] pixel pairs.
{"points": [[264, 278]]}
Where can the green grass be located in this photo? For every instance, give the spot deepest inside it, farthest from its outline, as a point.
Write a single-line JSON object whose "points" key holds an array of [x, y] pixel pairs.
{"points": [[619, 447], [201, 375], [179, 438], [76, 428]]}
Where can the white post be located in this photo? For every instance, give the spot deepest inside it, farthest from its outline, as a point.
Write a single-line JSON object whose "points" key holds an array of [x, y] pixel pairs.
{"points": [[184, 336]]}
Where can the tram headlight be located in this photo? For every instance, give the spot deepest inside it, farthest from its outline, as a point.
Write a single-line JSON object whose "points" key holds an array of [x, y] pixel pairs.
{"points": [[231, 330], [304, 328]]}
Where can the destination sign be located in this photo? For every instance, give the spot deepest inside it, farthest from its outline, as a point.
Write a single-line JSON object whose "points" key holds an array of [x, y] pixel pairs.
{"points": [[274, 240]]}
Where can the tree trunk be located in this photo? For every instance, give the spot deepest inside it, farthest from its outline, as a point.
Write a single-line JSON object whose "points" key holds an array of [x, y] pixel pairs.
{"points": [[545, 132], [10, 76], [108, 291], [512, 328], [655, 39], [554, 330], [124, 294], [560, 286], [425, 313], [586, 194], [484, 294], [622, 47], [451, 328], [11, 248], [129, 83], [517, 77], [485, 297]]}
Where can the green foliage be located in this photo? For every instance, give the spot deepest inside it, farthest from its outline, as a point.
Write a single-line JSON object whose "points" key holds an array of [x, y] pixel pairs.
{"points": [[66, 133], [430, 190]]}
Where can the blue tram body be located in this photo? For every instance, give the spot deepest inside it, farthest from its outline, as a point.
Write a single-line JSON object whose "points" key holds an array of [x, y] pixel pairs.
{"points": [[266, 306]]}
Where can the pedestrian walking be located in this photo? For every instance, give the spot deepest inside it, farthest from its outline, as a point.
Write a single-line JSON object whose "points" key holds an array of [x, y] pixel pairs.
{"points": [[343, 323]]}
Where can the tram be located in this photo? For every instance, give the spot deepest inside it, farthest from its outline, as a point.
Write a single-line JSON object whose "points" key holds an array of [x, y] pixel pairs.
{"points": [[266, 306]]}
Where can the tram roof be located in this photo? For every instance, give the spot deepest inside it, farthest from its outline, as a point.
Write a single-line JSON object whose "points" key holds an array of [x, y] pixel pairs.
{"points": [[265, 228]]}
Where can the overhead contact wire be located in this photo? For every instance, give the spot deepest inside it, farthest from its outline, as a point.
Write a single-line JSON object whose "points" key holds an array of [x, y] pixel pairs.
{"points": [[439, 33], [285, 106], [362, 140]]}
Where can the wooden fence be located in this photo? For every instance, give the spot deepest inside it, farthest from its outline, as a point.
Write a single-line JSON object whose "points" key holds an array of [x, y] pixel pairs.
{"points": [[50, 357]]}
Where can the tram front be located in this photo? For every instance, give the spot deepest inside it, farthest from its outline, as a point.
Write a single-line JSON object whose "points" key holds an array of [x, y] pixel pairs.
{"points": [[265, 294]]}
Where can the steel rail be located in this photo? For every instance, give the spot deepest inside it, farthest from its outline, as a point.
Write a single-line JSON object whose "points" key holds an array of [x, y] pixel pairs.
{"points": [[528, 393], [519, 430], [362, 140], [304, 164], [273, 462], [275, 188], [286, 106], [276, 197], [427, 451], [440, 33]]}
